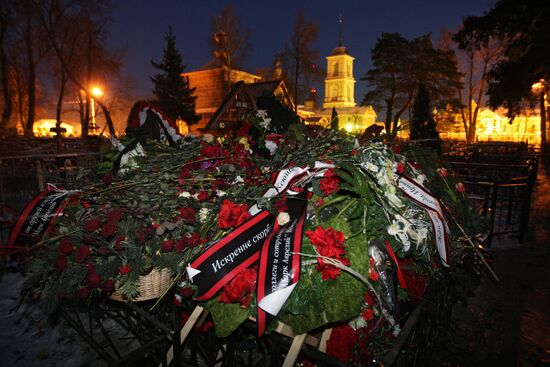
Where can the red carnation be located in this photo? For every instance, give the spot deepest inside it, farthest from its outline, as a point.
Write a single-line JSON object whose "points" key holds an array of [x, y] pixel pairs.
{"points": [[181, 244], [82, 253], [108, 286], [185, 292], [60, 264], [188, 214], [83, 293], [368, 314], [341, 341], [321, 237], [194, 239], [367, 297], [373, 275], [108, 229], [65, 246], [168, 245], [93, 280], [203, 196], [115, 216], [329, 243], [211, 151], [231, 214], [400, 168], [240, 289], [185, 173], [92, 225], [124, 269], [329, 183]]}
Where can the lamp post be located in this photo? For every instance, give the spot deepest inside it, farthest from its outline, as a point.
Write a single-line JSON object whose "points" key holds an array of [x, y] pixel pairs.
{"points": [[539, 88], [97, 93]]}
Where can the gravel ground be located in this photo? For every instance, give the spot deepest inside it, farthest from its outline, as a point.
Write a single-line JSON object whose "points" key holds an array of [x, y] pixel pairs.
{"points": [[28, 337]]}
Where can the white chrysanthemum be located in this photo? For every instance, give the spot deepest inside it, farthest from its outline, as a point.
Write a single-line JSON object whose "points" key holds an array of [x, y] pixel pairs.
{"points": [[237, 179], [184, 194], [220, 193], [203, 214], [271, 146], [358, 323], [371, 167]]}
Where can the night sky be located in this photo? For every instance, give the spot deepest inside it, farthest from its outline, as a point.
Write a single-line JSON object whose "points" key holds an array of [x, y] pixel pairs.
{"points": [[138, 28]]}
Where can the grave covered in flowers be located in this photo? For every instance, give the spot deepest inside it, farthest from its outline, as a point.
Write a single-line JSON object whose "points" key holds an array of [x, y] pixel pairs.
{"points": [[293, 224]]}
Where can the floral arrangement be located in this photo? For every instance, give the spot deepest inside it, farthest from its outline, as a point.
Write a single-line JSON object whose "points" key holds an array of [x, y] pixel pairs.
{"points": [[367, 244]]}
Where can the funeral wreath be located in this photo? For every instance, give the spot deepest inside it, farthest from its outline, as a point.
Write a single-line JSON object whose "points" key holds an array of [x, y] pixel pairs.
{"points": [[299, 224]]}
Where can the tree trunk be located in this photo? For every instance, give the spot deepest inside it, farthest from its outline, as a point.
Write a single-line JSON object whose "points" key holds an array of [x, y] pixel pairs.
{"points": [[31, 80], [60, 96], [543, 125], [389, 115], [8, 103]]}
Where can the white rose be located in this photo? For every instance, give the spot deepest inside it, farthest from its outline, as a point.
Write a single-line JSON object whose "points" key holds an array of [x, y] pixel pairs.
{"points": [[283, 218]]}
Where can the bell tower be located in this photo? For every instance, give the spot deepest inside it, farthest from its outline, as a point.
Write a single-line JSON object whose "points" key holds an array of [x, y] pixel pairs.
{"points": [[339, 82]]}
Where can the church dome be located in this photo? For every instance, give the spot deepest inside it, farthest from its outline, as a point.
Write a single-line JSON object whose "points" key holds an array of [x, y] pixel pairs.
{"points": [[340, 50]]}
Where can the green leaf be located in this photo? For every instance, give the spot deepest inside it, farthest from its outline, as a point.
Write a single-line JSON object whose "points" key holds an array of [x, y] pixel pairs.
{"points": [[227, 316]]}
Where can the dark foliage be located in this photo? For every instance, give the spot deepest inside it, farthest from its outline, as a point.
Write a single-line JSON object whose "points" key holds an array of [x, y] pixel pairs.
{"points": [[423, 125], [171, 90]]}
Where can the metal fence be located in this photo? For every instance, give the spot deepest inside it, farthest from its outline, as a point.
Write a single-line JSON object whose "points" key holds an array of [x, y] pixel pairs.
{"points": [[28, 165], [502, 193]]}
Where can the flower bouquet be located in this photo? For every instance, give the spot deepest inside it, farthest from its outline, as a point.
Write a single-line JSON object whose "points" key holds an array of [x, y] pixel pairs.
{"points": [[300, 224]]}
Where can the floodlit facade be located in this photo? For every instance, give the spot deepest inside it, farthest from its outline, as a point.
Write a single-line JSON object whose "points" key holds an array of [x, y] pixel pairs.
{"points": [[340, 95], [496, 126]]}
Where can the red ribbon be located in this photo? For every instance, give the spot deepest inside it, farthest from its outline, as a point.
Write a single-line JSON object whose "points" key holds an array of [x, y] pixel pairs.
{"points": [[400, 277]]}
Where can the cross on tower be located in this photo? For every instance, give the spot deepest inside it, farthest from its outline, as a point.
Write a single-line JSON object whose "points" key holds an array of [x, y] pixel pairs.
{"points": [[340, 30]]}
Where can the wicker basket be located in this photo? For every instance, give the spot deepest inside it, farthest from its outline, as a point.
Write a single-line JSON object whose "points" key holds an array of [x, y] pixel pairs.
{"points": [[151, 286]]}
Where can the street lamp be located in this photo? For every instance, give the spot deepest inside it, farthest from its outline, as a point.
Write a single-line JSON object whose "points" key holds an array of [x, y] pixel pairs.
{"points": [[97, 93], [539, 88]]}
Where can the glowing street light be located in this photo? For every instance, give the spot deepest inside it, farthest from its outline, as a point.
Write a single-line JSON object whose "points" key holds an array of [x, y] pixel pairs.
{"points": [[97, 93], [539, 88]]}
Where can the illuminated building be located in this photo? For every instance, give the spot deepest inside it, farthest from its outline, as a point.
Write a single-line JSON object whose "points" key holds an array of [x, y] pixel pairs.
{"points": [[496, 126], [340, 94], [43, 128], [212, 83]]}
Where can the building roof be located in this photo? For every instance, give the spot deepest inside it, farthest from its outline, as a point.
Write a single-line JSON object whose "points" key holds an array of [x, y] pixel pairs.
{"points": [[251, 91], [340, 50]]}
